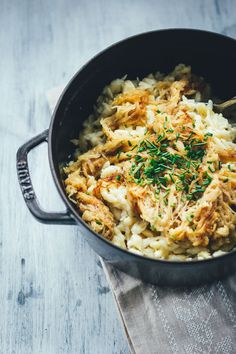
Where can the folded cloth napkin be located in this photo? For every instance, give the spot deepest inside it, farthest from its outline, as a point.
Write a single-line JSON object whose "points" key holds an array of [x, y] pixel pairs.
{"points": [[160, 320]]}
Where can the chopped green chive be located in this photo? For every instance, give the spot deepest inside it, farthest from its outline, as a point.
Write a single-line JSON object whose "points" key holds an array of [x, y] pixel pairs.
{"points": [[171, 177], [139, 158], [170, 130], [134, 147], [199, 144], [165, 122], [118, 153], [207, 135], [190, 135], [211, 169], [189, 218]]}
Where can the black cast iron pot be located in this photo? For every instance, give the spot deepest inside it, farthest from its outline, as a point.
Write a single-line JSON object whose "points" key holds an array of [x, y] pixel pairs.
{"points": [[211, 55]]}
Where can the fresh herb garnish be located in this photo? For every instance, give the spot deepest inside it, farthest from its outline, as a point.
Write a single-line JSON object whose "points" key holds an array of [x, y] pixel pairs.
{"points": [[155, 165], [211, 169], [207, 135], [165, 123], [189, 218], [177, 136]]}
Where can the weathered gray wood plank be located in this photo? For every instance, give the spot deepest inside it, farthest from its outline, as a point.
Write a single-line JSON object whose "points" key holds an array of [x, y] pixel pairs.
{"points": [[53, 293]]}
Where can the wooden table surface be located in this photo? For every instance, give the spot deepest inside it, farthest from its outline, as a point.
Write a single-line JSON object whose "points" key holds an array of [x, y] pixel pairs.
{"points": [[54, 295]]}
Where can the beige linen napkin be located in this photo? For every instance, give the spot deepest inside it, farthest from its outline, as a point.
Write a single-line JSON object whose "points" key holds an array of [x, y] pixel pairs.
{"points": [[161, 320]]}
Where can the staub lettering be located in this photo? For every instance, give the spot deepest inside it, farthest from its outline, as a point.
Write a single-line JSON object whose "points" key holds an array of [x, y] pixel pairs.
{"points": [[24, 179]]}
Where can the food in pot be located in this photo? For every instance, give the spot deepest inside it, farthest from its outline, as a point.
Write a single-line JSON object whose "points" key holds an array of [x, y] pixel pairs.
{"points": [[155, 171]]}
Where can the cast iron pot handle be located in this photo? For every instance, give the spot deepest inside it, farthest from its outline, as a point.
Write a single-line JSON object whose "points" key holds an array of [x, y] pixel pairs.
{"points": [[27, 187]]}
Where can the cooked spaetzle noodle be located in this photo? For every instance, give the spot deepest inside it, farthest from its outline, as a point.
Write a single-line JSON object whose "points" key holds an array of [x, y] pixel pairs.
{"points": [[156, 168]]}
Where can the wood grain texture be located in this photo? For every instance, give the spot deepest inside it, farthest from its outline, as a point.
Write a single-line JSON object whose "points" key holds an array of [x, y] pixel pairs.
{"points": [[53, 293]]}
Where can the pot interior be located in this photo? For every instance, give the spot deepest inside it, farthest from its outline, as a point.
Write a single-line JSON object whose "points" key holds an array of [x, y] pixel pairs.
{"points": [[210, 55]]}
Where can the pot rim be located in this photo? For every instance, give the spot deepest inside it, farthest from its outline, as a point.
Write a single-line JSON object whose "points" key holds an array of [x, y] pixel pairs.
{"points": [[76, 215]]}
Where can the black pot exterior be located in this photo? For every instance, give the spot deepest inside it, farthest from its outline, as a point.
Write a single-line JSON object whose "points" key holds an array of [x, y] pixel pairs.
{"points": [[212, 56]]}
